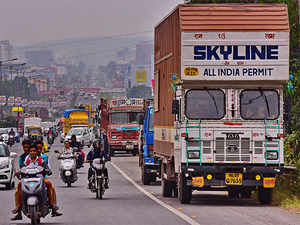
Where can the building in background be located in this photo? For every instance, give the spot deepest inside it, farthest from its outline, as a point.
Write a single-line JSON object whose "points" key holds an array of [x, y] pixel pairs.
{"points": [[6, 50], [142, 71], [40, 57]]}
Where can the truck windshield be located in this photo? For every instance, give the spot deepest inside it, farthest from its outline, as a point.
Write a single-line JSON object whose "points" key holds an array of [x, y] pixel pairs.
{"points": [[34, 130], [75, 132], [125, 117], [205, 104], [119, 118], [259, 104]]}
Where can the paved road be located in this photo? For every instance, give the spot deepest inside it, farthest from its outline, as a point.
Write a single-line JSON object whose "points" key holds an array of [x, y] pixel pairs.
{"points": [[214, 207], [122, 203]]}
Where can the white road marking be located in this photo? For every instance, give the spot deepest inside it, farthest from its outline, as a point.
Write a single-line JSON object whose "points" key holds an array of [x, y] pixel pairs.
{"points": [[151, 196]]}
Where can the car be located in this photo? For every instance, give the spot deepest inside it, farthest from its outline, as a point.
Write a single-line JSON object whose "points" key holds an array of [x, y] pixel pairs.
{"points": [[4, 134], [82, 135], [7, 166]]}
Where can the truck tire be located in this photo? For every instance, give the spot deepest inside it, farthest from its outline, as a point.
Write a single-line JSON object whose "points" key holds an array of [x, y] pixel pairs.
{"points": [[184, 192], [166, 188], [265, 195], [146, 178], [111, 151]]}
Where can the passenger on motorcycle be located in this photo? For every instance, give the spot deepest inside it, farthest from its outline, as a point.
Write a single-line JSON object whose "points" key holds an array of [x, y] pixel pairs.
{"points": [[40, 145], [94, 154], [67, 148], [34, 160], [75, 144]]}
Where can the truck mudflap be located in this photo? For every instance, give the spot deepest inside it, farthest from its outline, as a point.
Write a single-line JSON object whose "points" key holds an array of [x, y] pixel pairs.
{"points": [[226, 177]]}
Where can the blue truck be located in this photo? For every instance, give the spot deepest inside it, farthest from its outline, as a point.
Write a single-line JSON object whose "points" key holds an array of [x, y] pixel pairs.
{"points": [[150, 165]]}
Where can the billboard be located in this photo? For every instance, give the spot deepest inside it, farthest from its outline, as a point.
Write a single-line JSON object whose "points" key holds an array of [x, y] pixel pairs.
{"points": [[141, 76], [235, 56]]}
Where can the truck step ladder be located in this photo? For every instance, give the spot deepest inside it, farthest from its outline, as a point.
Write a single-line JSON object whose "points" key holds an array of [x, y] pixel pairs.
{"points": [[277, 126], [198, 148]]}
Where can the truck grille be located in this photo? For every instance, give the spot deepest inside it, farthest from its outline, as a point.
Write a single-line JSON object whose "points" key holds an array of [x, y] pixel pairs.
{"points": [[232, 150]]}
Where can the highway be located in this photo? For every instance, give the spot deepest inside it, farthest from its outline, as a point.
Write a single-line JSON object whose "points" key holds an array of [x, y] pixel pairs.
{"points": [[129, 202]]}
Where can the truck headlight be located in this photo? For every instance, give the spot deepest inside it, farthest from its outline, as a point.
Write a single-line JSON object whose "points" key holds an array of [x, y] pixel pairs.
{"points": [[271, 155], [194, 155]]}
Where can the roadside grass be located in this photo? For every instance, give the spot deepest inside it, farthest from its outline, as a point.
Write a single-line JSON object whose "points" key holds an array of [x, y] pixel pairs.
{"points": [[287, 193]]}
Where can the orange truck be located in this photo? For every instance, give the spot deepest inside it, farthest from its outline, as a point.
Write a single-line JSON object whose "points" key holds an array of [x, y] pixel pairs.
{"points": [[220, 74], [119, 119]]}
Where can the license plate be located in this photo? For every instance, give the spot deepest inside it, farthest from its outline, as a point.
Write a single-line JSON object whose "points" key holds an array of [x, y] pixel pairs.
{"points": [[233, 178], [129, 146], [198, 181]]}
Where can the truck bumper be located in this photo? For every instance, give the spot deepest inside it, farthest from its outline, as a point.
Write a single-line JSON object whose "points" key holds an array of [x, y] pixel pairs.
{"points": [[126, 147], [152, 168], [228, 177]]}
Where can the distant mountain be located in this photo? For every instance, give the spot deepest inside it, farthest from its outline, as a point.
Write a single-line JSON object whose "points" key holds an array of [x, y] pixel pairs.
{"points": [[92, 51]]}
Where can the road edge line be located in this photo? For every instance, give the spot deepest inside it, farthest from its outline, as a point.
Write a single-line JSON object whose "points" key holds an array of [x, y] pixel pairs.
{"points": [[158, 201]]}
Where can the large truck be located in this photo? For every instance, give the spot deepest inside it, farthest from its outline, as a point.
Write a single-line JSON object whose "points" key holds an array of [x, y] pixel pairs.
{"points": [[122, 123], [75, 117], [220, 74], [149, 164]]}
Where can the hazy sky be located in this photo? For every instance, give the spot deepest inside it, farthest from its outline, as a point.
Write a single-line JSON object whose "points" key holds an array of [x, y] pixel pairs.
{"points": [[31, 21]]}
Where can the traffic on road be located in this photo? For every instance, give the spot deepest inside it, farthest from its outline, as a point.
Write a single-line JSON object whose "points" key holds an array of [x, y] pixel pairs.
{"points": [[206, 139]]}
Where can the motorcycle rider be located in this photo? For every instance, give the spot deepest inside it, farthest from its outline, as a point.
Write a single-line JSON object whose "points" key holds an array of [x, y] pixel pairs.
{"points": [[75, 144], [12, 132], [34, 159], [67, 148], [26, 144], [94, 154]]}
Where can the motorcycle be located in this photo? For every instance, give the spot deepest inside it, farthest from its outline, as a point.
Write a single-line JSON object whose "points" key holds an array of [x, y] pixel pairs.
{"points": [[50, 139], [11, 140], [97, 178], [34, 194], [79, 158], [68, 171]]}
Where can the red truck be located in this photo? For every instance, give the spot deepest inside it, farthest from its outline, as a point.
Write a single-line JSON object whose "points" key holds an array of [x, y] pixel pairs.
{"points": [[119, 120]]}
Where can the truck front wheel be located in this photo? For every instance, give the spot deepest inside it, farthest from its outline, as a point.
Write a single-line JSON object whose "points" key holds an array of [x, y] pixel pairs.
{"points": [[146, 178], [265, 195], [184, 192], [166, 188]]}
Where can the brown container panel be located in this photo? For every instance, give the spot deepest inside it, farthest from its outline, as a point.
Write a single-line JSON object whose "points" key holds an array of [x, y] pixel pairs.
{"points": [[164, 148], [234, 17], [167, 62]]}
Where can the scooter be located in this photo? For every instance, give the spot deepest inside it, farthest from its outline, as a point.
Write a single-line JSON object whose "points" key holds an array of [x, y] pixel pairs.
{"points": [[34, 194], [11, 140], [97, 178], [67, 168]]}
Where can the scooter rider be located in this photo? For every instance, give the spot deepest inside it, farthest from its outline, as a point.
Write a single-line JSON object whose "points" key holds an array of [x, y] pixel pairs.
{"points": [[35, 160], [94, 154], [75, 144], [67, 148], [12, 132]]}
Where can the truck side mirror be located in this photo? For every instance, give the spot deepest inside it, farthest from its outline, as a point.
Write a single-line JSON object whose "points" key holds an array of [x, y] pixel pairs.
{"points": [[141, 120], [175, 107]]}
